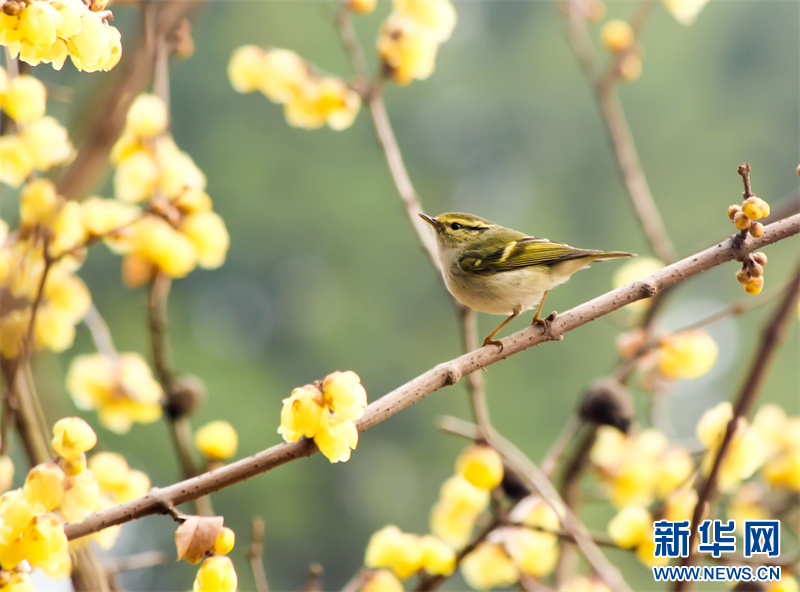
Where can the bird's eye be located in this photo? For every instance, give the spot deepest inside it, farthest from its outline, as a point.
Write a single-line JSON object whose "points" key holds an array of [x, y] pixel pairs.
{"points": [[456, 226]]}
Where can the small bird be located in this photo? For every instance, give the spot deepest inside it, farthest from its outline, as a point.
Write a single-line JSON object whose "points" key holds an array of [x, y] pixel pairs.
{"points": [[497, 270]]}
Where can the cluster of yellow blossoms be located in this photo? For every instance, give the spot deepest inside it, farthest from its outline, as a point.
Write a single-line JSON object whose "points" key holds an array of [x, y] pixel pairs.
{"points": [[31, 518], [42, 31], [50, 228], [527, 549], [121, 388], [465, 495], [310, 100], [40, 142], [179, 230], [326, 411], [638, 470], [407, 46], [410, 37]]}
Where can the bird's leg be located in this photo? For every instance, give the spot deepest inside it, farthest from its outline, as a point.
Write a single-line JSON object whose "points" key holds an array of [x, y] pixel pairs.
{"points": [[490, 341], [536, 319]]}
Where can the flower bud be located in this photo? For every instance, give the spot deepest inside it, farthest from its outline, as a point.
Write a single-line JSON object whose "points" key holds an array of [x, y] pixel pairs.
{"points": [[743, 275], [481, 465], [760, 258], [225, 541], [216, 440], [741, 221], [733, 209], [754, 286], [361, 6], [757, 229], [757, 270], [616, 36], [630, 68], [755, 208]]}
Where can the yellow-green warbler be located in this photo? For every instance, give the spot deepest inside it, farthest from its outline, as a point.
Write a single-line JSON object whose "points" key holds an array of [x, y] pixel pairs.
{"points": [[497, 270]]}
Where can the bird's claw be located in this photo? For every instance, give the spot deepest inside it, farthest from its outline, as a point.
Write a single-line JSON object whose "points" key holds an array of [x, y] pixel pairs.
{"points": [[488, 341], [546, 322]]}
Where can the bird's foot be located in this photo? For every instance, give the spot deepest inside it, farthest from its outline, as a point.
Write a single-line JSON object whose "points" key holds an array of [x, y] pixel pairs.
{"points": [[545, 322], [490, 341]]}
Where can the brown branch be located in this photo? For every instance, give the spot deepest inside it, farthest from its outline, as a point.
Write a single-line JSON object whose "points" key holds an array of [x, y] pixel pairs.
{"points": [[771, 338], [255, 554], [442, 375]]}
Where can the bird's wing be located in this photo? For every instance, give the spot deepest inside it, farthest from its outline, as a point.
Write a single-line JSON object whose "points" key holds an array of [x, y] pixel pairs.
{"points": [[521, 253]]}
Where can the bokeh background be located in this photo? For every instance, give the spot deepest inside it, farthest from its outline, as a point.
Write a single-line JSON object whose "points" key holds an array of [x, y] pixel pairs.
{"points": [[325, 273]]}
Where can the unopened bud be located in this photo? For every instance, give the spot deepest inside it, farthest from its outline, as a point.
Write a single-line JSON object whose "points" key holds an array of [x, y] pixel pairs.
{"points": [[754, 286], [743, 275], [12, 7], [757, 229], [186, 394], [741, 221], [607, 402], [733, 209], [760, 258]]}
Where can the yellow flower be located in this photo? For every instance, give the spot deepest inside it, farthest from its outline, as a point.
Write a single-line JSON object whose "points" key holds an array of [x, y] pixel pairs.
{"points": [[630, 526], [787, 583], [438, 558], [747, 503], [225, 541], [460, 492], [17, 513], [70, 12], [68, 232], [616, 36], [481, 465], [25, 99], [634, 482], [147, 116], [136, 485], [217, 440], [216, 574], [680, 504], [609, 447], [302, 413], [489, 566], [16, 162], [90, 47], [100, 216], [535, 512], [344, 394], [436, 17], [81, 496], [72, 436], [535, 553], [13, 329], [209, 235], [44, 487], [37, 22], [381, 580], [285, 73], [123, 390], [247, 68], [713, 423], [674, 469], [43, 542], [362, 6], [135, 177], [18, 582], [685, 11], [407, 51], [178, 172], [47, 142], [452, 523], [156, 241], [687, 355], [111, 470], [646, 552], [39, 203], [335, 438], [396, 550]]}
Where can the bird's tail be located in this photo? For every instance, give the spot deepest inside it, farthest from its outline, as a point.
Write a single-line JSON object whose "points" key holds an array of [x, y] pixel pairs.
{"points": [[606, 255]]}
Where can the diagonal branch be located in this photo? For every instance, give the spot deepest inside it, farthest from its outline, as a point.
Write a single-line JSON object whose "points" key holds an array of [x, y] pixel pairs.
{"points": [[771, 338], [442, 375]]}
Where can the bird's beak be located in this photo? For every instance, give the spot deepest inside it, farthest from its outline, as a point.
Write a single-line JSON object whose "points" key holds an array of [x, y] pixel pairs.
{"points": [[432, 221]]}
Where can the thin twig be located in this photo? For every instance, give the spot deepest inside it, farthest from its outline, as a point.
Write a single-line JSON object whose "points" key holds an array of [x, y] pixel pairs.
{"points": [[138, 561], [255, 554], [101, 335], [442, 375], [773, 334], [620, 135], [551, 458]]}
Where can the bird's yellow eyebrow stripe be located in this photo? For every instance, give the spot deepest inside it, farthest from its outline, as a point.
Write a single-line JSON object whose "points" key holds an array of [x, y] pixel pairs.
{"points": [[507, 251]]}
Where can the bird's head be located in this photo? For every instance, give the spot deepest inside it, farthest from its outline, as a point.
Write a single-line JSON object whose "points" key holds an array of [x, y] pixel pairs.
{"points": [[457, 230]]}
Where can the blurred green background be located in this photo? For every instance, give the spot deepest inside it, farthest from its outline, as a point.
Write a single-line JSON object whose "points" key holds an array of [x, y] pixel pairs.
{"points": [[324, 272]]}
